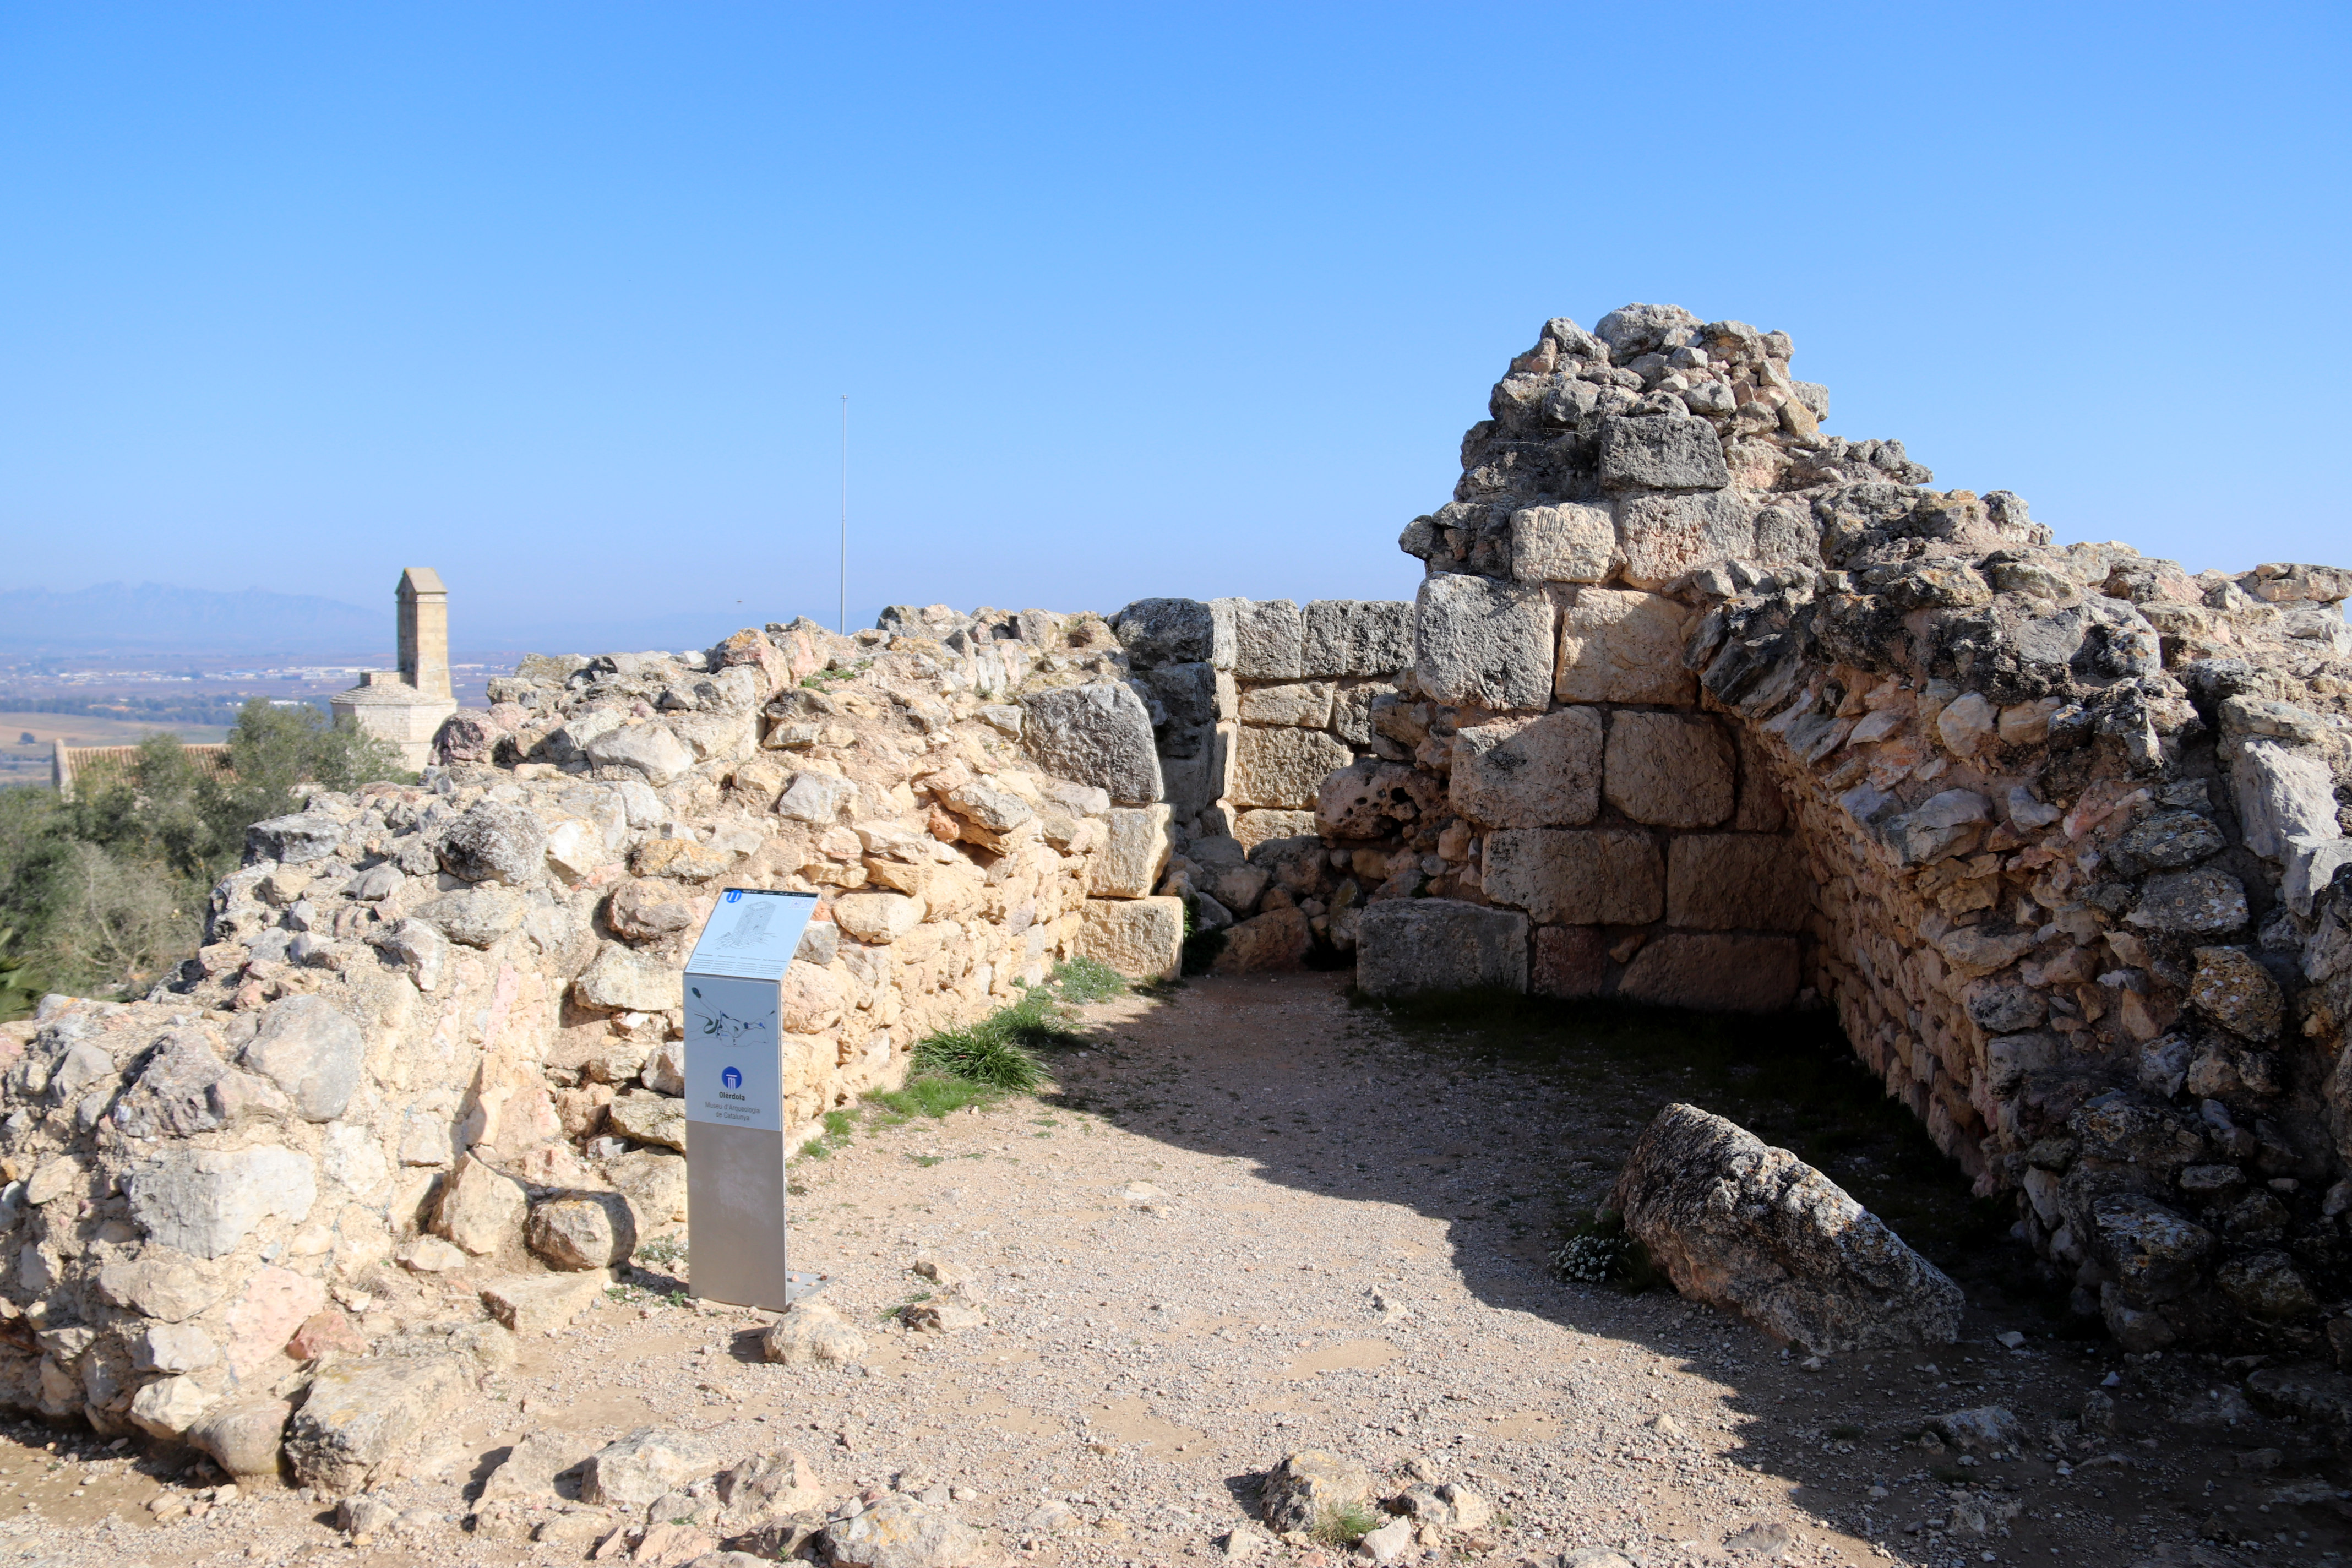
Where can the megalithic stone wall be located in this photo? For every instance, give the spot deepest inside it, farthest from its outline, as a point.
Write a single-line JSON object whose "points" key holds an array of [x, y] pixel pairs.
{"points": [[1728, 711]]}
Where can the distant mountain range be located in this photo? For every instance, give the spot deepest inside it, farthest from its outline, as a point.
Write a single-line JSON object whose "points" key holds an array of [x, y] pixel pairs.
{"points": [[155, 620]]}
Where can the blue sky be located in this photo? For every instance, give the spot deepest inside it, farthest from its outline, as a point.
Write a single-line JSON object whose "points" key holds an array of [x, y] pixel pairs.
{"points": [[562, 299]]}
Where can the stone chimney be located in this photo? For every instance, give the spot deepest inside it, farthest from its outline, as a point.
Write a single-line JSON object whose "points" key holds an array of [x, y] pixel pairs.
{"points": [[407, 707]]}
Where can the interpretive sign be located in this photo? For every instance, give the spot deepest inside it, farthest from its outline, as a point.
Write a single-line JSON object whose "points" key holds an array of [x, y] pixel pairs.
{"points": [[734, 1096]]}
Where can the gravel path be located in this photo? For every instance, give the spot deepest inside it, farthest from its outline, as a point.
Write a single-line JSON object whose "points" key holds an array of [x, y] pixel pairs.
{"points": [[1252, 1220]]}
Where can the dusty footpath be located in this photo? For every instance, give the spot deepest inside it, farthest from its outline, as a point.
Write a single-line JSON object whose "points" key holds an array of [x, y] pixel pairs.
{"points": [[1251, 1219]]}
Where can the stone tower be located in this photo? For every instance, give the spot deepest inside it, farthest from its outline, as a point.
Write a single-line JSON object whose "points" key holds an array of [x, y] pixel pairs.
{"points": [[406, 706]]}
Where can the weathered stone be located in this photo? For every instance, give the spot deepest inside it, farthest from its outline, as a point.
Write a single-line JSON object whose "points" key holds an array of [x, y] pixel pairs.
{"points": [[2171, 839], [1668, 770], [817, 798], [364, 1422], [2155, 1253], [2283, 793], [582, 1230], [654, 1181], [1143, 939], [246, 1437], [1356, 637], [1973, 950], [1570, 961], [638, 1469], [530, 1468], [1302, 705], [900, 1532], [1737, 881], [475, 916], [1661, 454], [1368, 798], [1405, 946], [1979, 1430], [164, 1408], [273, 1305], [1284, 768], [1618, 647], [1278, 939], [208, 1201], [2266, 1287], [1668, 536], [1130, 863], [1310, 1485], [184, 1089], [1269, 638], [1569, 542], [649, 1118], [1608, 876], [480, 1210], [812, 1331], [1529, 772], [2199, 901], [1253, 830], [495, 842], [1099, 734], [650, 749], [1483, 643], [1714, 973], [1738, 1223], [313, 1052], [172, 1348], [163, 1283], [537, 1304], [625, 981], [1156, 632], [877, 917], [2233, 988]]}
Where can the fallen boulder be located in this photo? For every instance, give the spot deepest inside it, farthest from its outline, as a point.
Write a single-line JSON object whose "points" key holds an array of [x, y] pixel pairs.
{"points": [[1737, 1223], [1308, 1485]]}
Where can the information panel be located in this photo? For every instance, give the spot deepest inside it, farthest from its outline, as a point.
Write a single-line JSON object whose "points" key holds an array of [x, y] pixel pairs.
{"points": [[734, 1096]]}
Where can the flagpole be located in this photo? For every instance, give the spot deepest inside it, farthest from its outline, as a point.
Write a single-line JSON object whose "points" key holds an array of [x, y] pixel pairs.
{"points": [[843, 612]]}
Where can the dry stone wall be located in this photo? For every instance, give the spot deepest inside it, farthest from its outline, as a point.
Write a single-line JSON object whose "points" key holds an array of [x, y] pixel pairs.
{"points": [[1712, 708]]}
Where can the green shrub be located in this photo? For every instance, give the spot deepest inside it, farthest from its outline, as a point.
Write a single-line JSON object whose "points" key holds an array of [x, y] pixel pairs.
{"points": [[1087, 980]]}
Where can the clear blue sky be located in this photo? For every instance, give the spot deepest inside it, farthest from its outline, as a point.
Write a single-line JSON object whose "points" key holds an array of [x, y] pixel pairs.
{"points": [[560, 298]]}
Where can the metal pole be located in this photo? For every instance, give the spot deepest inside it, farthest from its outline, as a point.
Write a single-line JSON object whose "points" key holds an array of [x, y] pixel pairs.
{"points": [[843, 613]]}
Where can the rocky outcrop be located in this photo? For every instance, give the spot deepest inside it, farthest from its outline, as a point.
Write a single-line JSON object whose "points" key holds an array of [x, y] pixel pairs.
{"points": [[1740, 1225]]}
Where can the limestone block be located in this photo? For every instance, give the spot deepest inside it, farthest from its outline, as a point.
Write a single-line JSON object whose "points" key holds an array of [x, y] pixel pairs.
{"points": [[479, 1208], [295, 840], [208, 1201], [246, 1437], [2202, 901], [1738, 1223], [654, 1181], [1714, 973], [1305, 705], [1308, 1486], [879, 918], [2281, 793], [1619, 646], [313, 1052], [817, 798], [1269, 640], [476, 917], [1669, 770], [530, 1467], [1483, 643], [580, 1231], [1284, 768], [639, 1469], [274, 1303], [1668, 535], [1609, 876], [649, 748], [1405, 946], [1529, 772], [365, 1421], [1661, 454], [1192, 784], [1170, 631], [1143, 939], [648, 1118], [2234, 990], [535, 1304], [1253, 828], [625, 981], [1351, 711], [1356, 637], [1129, 865], [1737, 881], [494, 842], [1570, 961], [168, 1407], [901, 1532], [1565, 544], [812, 1331], [1278, 939], [162, 1283], [1099, 734]]}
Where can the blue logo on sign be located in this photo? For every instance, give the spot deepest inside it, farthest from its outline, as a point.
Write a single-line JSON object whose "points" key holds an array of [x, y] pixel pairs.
{"points": [[734, 895], [731, 1079]]}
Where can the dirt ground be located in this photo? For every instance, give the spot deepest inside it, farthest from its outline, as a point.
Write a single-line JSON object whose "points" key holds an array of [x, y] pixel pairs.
{"points": [[1251, 1218]]}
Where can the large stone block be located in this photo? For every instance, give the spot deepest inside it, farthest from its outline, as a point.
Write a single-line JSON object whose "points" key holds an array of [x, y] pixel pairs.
{"points": [[1284, 768], [1278, 939], [1609, 876], [208, 1201], [1295, 704], [1529, 772], [311, 1051], [1570, 961], [1661, 454], [1714, 973], [1565, 544], [1252, 829], [1737, 881], [1619, 646], [1143, 939], [1405, 946], [1269, 640], [1356, 637], [1482, 643], [2281, 793], [1669, 770], [1738, 1223], [1666, 536], [1168, 631], [1099, 734], [1129, 865], [365, 1421]]}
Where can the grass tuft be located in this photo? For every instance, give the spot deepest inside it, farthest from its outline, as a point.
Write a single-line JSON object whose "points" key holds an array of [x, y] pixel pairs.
{"points": [[1087, 980], [1342, 1525]]}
